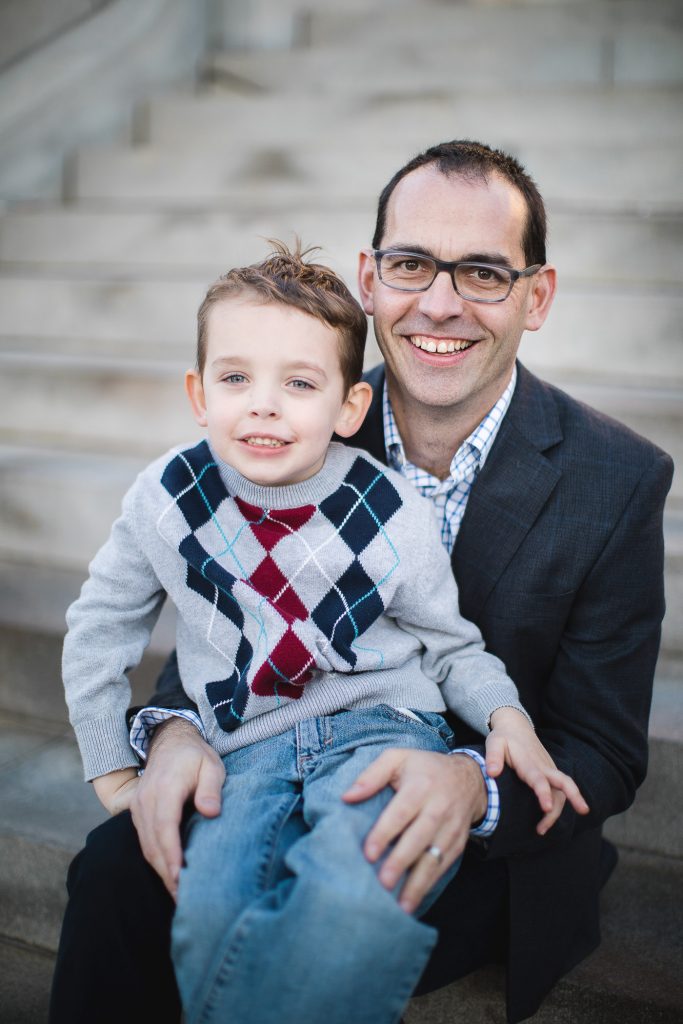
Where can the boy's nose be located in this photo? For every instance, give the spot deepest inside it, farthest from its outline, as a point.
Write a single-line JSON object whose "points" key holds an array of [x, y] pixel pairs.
{"points": [[264, 405]]}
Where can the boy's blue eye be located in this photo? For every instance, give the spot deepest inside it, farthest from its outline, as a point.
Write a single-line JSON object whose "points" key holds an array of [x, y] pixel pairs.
{"points": [[234, 378], [300, 385]]}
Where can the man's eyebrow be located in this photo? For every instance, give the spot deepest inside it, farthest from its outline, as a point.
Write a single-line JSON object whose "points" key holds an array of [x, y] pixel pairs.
{"points": [[496, 258]]}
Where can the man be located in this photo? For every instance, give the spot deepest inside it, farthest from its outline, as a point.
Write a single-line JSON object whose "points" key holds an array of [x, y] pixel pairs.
{"points": [[554, 517]]}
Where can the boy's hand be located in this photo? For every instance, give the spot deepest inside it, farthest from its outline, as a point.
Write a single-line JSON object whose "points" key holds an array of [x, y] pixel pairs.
{"points": [[115, 790], [512, 741]]}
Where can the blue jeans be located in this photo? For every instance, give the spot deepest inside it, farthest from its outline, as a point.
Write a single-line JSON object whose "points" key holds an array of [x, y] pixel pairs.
{"points": [[280, 917]]}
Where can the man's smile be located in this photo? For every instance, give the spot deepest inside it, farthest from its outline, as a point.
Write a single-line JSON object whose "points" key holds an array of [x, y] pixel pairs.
{"points": [[441, 345]]}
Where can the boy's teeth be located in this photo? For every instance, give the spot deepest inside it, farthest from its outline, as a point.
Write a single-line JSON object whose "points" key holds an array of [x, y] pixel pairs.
{"points": [[267, 442], [429, 345]]}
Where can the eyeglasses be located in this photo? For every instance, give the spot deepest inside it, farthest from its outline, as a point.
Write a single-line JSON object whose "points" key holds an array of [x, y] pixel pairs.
{"points": [[476, 282]]}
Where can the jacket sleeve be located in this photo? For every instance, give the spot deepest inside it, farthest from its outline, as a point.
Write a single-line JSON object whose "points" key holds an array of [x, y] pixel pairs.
{"points": [[593, 714]]}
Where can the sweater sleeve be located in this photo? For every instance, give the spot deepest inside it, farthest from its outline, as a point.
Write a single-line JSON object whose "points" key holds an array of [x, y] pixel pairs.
{"points": [[109, 627], [473, 682]]}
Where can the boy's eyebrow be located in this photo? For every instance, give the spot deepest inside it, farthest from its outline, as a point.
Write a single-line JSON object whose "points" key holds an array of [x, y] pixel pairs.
{"points": [[242, 360]]}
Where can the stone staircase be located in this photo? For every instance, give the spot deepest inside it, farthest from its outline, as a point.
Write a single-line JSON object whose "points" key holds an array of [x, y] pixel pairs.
{"points": [[98, 295]]}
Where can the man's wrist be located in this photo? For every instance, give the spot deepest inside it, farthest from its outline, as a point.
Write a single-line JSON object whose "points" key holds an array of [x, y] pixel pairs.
{"points": [[486, 825], [148, 720]]}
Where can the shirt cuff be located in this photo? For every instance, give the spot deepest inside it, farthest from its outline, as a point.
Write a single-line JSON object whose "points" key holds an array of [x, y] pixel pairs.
{"points": [[146, 721], [488, 824]]}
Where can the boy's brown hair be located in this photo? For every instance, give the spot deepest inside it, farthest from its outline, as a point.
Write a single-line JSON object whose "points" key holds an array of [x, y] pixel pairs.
{"points": [[284, 276]]}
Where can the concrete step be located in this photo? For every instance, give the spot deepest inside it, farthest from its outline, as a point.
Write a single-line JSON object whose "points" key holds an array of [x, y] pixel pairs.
{"points": [[74, 242], [56, 241], [424, 47], [612, 177], [25, 979], [609, 334], [543, 22], [103, 404], [593, 116]]}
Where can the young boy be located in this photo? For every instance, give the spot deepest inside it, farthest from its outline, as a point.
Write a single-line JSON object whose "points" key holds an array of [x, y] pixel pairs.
{"points": [[318, 625]]}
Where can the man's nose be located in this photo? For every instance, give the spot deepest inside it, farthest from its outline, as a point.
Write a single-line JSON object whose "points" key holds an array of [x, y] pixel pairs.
{"points": [[441, 301]]}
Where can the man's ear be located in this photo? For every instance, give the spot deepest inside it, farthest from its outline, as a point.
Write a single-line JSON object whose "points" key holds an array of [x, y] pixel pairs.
{"points": [[354, 409], [195, 392], [366, 279], [541, 295]]}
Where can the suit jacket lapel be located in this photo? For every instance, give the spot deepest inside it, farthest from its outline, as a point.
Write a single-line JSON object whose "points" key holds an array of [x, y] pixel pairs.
{"points": [[499, 512]]}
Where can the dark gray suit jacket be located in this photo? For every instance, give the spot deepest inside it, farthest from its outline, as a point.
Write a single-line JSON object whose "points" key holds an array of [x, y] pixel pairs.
{"points": [[559, 561]]}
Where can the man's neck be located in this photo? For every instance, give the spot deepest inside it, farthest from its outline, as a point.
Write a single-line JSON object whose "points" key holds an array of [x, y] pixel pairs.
{"points": [[431, 435]]}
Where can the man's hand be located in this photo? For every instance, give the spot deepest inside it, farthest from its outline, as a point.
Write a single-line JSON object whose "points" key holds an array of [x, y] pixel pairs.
{"points": [[512, 741], [180, 767], [115, 790], [438, 798]]}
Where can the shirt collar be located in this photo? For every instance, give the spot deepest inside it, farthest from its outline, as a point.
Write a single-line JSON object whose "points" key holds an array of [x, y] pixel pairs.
{"points": [[481, 439]]}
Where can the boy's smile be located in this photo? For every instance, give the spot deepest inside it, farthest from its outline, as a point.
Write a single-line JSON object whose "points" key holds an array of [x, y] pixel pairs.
{"points": [[272, 392]]}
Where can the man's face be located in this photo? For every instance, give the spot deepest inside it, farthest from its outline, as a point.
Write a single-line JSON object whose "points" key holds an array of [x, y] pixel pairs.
{"points": [[272, 390], [452, 218]]}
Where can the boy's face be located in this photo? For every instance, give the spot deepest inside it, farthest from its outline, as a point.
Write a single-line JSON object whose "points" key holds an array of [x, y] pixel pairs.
{"points": [[272, 392]]}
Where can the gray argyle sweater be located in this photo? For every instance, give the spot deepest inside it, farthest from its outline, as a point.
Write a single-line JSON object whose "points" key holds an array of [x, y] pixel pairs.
{"points": [[292, 602]]}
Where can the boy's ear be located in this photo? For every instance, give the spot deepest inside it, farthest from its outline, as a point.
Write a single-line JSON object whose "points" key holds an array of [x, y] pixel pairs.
{"points": [[354, 409], [195, 392]]}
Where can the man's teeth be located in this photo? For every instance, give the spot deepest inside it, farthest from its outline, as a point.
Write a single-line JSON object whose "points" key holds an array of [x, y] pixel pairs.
{"points": [[265, 442], [430, 345]]}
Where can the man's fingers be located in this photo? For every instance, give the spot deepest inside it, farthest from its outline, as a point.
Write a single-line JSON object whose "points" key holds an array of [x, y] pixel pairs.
{"points": [[207, 797], [396, 816], [158, 827], [425, 874], [376, 776], [431, 828]]}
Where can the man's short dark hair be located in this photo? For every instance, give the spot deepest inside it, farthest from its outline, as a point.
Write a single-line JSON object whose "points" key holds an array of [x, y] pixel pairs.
{"points": [[285, 276], [474, 160]]}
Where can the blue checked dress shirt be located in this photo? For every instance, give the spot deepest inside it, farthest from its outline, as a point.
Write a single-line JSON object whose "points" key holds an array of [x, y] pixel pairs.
{"points": [[449, 497]]}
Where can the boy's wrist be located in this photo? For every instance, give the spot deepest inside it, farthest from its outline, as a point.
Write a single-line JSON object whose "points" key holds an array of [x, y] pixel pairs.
{"points": [[509, 715], [115, 789]]}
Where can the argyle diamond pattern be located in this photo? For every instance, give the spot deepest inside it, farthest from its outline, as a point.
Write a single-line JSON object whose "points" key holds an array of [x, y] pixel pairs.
{"points": [[280, 571]]}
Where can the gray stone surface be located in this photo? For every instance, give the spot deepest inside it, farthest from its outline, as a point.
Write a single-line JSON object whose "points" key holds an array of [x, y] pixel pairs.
{"points": [[613, 177], [586, 246], [594, 116], [25, 978]]}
